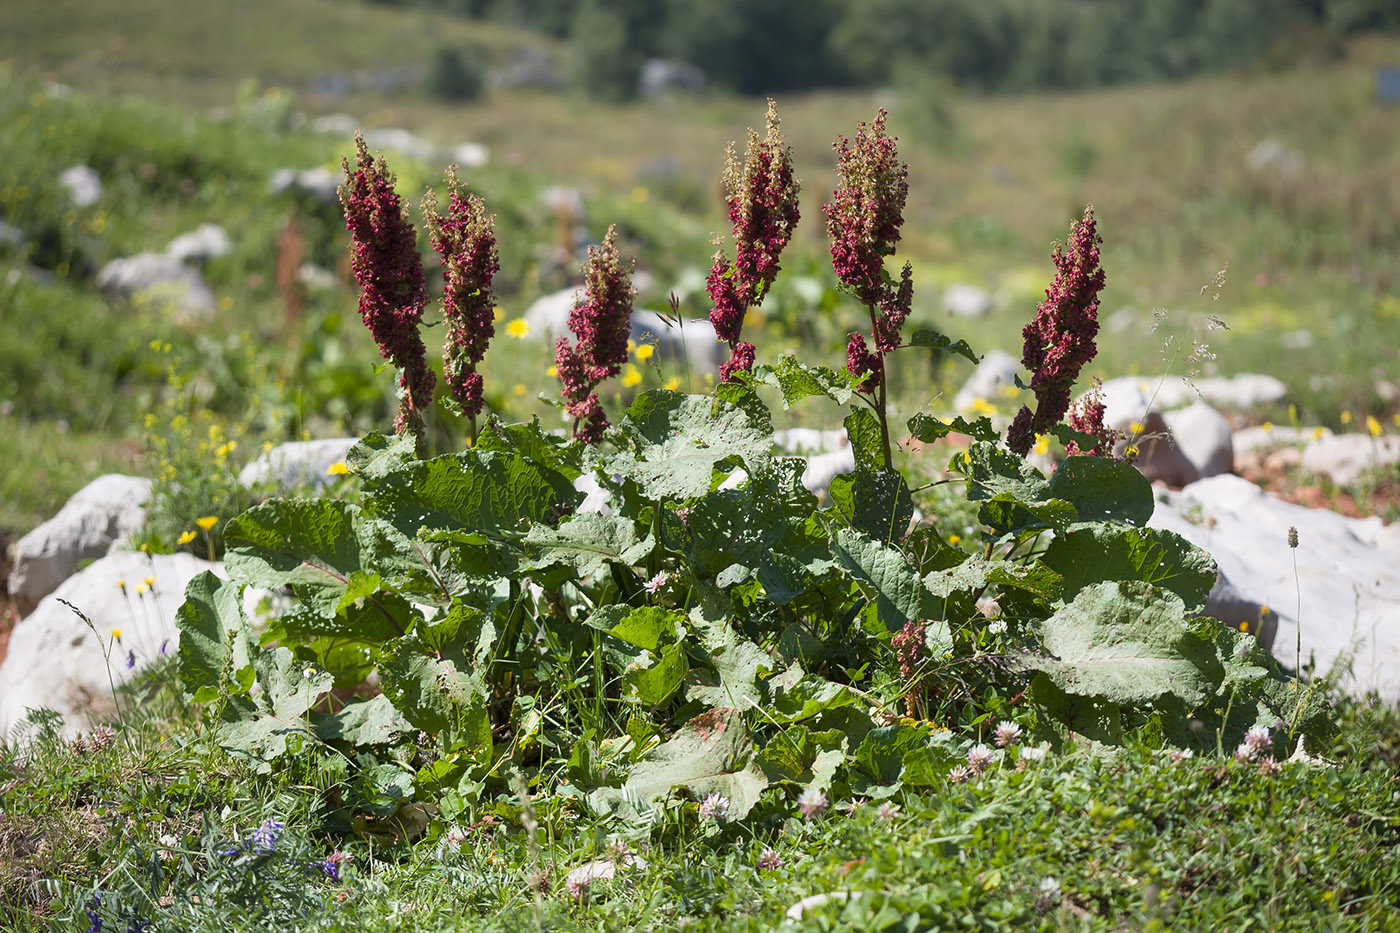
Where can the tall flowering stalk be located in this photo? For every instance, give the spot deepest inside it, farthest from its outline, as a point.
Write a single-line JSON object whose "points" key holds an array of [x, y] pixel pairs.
{"points": [[601, 323], [466, 241], [1060, 341], [389, 272], [762, 198], [863, 221]]}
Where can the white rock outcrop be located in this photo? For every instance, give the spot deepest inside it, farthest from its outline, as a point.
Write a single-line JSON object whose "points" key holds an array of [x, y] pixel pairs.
{"points": [[57, 662], [100, 515], [297, 463], [1348, 575]]}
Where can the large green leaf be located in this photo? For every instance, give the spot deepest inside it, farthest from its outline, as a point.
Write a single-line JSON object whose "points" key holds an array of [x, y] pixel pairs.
{"points": [[798, 380], [214, 639], [1113, 552], [992, 471], [710, 754], [1129, 643], [744, 532], [431, 692], [530, 440], [892, 584], [1103, 490], [588, 544], [863, 431], [675, 442], [882, 753], [308, 544], [363, 722], [490, 492], [876, 502], [260, 725]]}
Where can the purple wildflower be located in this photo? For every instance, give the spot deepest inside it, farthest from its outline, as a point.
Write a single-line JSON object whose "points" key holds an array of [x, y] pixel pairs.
{"points": [[390, 275], [1060, 341], [264, 838], [163, 645], [656, 583], [330, 866], [130, 659], [601, 323], [466, 241], [762, 198]]}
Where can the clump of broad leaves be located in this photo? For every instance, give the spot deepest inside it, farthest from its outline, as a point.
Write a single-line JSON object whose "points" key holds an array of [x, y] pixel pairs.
{"points": [[713, 629]]}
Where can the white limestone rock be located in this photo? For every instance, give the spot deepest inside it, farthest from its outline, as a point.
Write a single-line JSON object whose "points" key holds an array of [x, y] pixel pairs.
{"points": [[102, 514], [1342, 458], [996, 372], [83, 184], [298, 463], [161, 279], [1348, 575], [56, 662], [1203, 436], [966, 300], [207, 241]]}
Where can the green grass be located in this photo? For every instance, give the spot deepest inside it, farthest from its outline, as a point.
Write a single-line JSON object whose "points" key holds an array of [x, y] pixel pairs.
{"points": [[1132, 840]]}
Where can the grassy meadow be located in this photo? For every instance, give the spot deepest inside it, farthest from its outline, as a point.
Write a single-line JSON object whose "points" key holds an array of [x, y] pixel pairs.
{"points": [[187, 117]]}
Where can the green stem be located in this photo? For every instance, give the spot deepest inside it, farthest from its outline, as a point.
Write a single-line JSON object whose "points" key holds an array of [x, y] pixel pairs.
{"points": [[880, 409]]}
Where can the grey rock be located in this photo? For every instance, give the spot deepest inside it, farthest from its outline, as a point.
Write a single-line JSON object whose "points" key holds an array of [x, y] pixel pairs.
{"points": [[1233, 608], [319, 184], [1128, 398], [400, 140], [529, 66], [548, 316], [1348, 583], [316, 278], [690, 346], [823, 468], [83, 183], [1203, 436], [997, 371], [966, 300], [160, 279], [335, 124], [1272, 155], [1344, 457], [1275, 435], [103, 513], [207, 241], [11, 235], [563, 200], [56, 662], [1159, 458], [470, 155], [660, 76], [810, 440], [297, 463]]}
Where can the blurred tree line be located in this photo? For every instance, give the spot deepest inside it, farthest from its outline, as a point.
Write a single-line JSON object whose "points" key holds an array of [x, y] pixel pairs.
{"points": [[764, 46]]}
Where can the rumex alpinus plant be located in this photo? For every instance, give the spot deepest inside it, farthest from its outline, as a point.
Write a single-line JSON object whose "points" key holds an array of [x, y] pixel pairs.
{"points": [[601, 322], [717, 632], [389, 271], [1060, 341], [863, 220], [466, 241], [762, 199]]}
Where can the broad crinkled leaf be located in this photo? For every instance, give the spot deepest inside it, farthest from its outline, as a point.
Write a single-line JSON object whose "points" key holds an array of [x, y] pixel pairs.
{"points": [[1103, 490], [532, 441], [876, 502], [362, 722], [308, 544], [991, 471], [431, 692], [887, 578], [1129, 643], [589, 543], [676, 442], [710, 754], [212, 627], [1114, 552], [798, 380], [863, 431], [260, 725]]}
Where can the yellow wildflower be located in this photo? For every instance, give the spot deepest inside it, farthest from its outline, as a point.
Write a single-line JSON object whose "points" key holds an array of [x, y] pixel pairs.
{"points": [[185, 538], [141, 589], [498, 314], [1373, 426], [117, 634], [552, 372], [630, 376], [518, 388], [645, 351], [150, 581], [1042, 444], [1346, 417], [1266, 427], [518, 328], [338, 469], [672, 384], [121, 585], [1318, 432], [208, 522], [225, 303], [954, 539]]}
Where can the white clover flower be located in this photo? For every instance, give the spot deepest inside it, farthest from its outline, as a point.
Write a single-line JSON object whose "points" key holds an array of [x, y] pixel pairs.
{"points": [[769, 860], [1181, 754], [997, 626], [1259, 738], [888, 811], [716, 807], [654, 585], [978, 757], [959, 774], [812, 803], [1033, 753], [1007, 733], [1245, 752]]}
